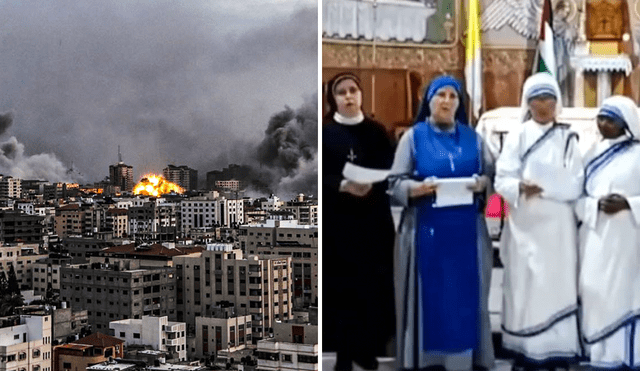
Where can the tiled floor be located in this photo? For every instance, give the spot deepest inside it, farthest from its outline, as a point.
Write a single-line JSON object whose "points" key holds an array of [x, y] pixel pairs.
{"points": [[388, 364]]}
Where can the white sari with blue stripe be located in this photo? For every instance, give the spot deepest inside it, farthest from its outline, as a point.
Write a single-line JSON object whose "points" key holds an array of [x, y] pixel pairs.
{"points": [[609, 283], [539, 243]]}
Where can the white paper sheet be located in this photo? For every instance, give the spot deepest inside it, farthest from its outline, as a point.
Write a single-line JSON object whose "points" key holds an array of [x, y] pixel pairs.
{"points": [[538, 173], [453, 191], [363, 175]]}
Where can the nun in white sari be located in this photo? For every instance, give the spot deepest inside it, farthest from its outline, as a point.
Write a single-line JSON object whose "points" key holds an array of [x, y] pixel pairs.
{"points": [[540, 174], [609, 283]]}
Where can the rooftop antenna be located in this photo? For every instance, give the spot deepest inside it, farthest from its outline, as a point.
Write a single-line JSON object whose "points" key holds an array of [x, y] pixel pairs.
{"points": [[119, 155]]}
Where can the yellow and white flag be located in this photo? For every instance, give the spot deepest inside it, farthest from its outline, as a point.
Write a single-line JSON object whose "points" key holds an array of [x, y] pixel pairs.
{"points": [[473, 65]]}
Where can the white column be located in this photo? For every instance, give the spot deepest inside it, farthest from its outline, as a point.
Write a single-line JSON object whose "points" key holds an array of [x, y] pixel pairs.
{"points": [[578, 85], [604, 86]]}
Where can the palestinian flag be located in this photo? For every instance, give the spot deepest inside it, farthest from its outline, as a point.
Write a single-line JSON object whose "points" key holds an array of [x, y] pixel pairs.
{"points": [[546, 57]]}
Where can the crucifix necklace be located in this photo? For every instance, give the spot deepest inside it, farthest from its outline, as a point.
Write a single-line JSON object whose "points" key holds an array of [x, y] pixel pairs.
{"points": [[451, 157], [351, 156]]}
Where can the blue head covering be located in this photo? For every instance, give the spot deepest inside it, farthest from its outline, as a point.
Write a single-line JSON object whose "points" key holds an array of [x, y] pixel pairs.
{"points": [[437, 84], [614, 113]]}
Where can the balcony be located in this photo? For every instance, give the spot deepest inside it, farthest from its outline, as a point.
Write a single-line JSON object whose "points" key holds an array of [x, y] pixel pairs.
{"points": [[172, 342], [151, 307], [167, 328]]}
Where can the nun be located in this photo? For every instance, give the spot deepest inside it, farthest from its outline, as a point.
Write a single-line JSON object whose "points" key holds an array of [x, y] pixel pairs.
{"points": [[443, 254], [540, 174], [357, 232], [609, 283]]}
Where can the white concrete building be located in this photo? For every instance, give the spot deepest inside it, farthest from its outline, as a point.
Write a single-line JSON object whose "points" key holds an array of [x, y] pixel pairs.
{"points": [[10, 187], [293, 347], [25, 343], [273, 203], [231, 211], [231, 332], [27, 207], [158, 332], [198, 212]]}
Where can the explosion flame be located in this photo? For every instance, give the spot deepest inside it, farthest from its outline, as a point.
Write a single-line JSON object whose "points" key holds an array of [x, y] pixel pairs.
{"points": [[155, 185]]}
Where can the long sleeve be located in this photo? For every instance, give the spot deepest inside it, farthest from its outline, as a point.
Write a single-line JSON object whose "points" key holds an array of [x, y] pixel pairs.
{"points": [[331, 165], [488, 163], [508, 168], [400, 178]]}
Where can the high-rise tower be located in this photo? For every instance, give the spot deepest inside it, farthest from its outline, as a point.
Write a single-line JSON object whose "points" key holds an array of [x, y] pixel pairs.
{"points": [[121, 174]]}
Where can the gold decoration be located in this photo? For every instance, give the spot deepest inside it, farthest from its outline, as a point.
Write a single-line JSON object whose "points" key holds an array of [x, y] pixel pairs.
{"points": [[604, 20]]}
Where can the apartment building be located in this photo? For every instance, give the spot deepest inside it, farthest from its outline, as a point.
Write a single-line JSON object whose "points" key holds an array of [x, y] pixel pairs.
{"points": [[184, 176], [158, 332], [154, 221], [284, 239], [16, 226], [231, 211], [22, 257], [293, 347], [257, 287], [121, 175], [46, 271], [10, 187], [69, 324], [117, 291], [80, 248], [69, 220], [305, 211], [117, 221], [25, 342], [273, 203], [222, 329], [198, 213]]}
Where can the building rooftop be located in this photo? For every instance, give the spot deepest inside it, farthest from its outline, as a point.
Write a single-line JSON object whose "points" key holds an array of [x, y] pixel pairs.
{"points": [[156, 250], [100, 340], [116, 211], [173, 366], [113, 366], [75, 346]]}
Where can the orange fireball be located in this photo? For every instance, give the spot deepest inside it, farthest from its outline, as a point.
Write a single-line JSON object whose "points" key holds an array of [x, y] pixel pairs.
{"points": [[155, 185]]}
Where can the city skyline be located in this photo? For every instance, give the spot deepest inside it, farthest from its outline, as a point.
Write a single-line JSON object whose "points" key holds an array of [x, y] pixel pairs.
{"points": [[193, 85]]}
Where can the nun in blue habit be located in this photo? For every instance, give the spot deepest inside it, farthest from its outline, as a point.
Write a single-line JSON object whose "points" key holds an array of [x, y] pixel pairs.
{"points": [[443, 254]]}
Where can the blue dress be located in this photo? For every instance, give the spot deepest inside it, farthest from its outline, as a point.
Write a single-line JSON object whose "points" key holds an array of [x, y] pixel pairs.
{"points": [[444, 252]]}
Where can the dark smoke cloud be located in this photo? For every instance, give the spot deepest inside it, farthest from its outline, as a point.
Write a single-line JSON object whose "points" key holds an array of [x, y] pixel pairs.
{"points": [[15, 162], [187, 83], [45, 166], [288, 152], [6, 119]]}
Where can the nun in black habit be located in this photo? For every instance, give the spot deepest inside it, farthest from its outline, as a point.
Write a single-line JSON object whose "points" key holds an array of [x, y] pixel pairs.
{"points": [[358, 233]]}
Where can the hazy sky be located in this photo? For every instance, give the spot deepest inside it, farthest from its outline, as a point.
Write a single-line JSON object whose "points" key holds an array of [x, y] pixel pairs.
{"points": [[183, 82]]}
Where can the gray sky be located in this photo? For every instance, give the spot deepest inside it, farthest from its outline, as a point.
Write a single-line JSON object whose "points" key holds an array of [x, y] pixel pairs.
{"points": [[183, 82]]}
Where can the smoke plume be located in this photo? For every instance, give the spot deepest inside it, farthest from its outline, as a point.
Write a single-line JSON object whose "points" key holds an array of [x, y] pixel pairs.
{"points": [[14, 162], [288, 152]]}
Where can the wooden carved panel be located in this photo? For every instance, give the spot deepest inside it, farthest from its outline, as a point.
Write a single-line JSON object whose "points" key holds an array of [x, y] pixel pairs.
{"points": [[504, 73], [605, 19], [347, 55]]}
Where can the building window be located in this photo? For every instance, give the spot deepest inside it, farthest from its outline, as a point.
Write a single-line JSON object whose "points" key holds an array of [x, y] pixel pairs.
{"points": [[136, 335], [286, 358], [307, 359], [66, 365]]}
